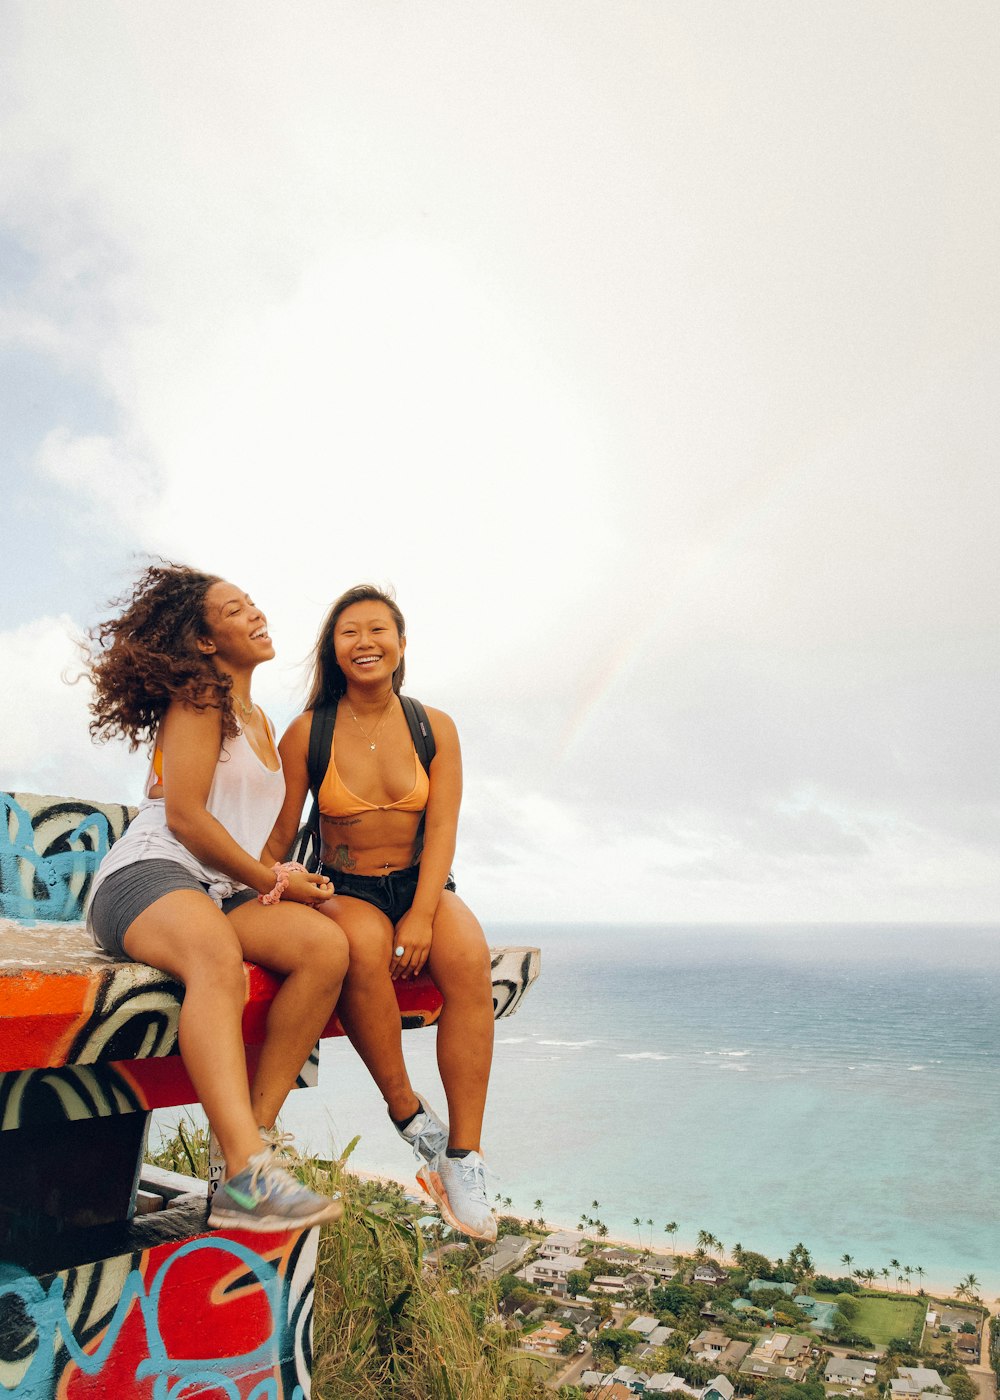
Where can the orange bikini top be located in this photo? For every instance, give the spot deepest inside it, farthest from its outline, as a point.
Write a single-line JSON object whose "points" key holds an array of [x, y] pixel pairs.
{"points": [[337, 800]]}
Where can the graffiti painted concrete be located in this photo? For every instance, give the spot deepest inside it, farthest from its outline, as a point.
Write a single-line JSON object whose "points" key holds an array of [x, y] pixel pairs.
{"points": [[50, 848], [88, 1046], [219, 1314]]}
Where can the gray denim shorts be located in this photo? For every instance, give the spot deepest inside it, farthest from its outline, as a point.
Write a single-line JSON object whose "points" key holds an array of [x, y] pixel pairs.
{"points": [[129, 892]]}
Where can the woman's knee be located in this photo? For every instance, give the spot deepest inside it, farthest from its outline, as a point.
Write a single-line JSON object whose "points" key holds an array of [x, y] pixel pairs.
{"points": [[369, 953], [322, 949], [217, 963], [462, 967]]}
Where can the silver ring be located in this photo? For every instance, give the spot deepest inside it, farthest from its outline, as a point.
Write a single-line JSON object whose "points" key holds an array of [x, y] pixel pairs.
{"points": [[400, 951]]}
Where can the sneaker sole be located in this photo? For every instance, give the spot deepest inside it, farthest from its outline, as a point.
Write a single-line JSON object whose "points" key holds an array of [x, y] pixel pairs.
{"points": [[268, 1224], [434, 1187]]}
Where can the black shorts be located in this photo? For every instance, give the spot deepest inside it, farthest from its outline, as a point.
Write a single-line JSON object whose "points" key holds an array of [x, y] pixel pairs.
{"points": [[392, 893], [126, 893]]}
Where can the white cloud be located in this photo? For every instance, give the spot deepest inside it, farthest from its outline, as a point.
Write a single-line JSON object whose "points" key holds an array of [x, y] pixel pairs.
{"points": [[646, 355], [114, 486], [44, 743]]}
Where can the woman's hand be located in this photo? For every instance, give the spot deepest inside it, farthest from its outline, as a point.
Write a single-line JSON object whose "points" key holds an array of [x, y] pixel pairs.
{"points": [[305, 888], [413, 934]]}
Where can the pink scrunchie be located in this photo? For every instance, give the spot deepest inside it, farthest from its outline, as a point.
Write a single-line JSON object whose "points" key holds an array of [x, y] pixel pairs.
{"points": [[282, 870]]}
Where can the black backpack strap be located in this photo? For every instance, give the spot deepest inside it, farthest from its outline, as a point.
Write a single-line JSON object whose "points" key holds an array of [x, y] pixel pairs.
{"points": [[320, 742], [420, 730], [423, 741]]}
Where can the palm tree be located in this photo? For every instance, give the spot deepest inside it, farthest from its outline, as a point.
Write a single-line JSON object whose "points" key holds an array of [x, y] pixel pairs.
{"points": [[920, 1275], [884, 1273], [869, 1276], [801, 1259], [847, 1260], [969, 1288], [907, 1271], [670, 1228], [602, 1230], [894, 1264], [705, 1240], [538, 1207]]}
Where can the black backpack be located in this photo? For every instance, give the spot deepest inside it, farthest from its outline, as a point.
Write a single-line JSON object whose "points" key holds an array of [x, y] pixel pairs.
{"points": [[307, 843]]}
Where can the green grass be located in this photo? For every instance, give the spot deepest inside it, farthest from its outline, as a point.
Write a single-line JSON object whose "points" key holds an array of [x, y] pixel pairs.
{"points": [[882, 1319], [383, 1328]]}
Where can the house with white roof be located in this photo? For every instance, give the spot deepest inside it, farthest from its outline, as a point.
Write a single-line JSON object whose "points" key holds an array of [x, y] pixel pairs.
{"points": [[849, 1370], [666, 1383], [561, 1242], [916, 1381], [552, 1273]]}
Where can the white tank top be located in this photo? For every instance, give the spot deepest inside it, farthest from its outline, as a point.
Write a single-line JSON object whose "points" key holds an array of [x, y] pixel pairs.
{"points": [[245, 796]]}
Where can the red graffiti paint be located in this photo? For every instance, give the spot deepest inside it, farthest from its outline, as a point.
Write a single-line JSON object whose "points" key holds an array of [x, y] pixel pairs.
{"points": [[221, 1305]]}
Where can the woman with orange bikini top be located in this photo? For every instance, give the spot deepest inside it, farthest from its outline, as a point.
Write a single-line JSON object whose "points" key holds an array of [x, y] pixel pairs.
{"points": [[388, 832]]}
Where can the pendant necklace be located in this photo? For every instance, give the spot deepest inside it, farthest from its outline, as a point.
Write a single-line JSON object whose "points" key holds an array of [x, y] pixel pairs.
{"points": [[371, 737]]}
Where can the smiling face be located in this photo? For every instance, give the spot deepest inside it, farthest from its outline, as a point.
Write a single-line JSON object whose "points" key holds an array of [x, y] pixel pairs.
{"points": [[236, 629], [367, 644]]}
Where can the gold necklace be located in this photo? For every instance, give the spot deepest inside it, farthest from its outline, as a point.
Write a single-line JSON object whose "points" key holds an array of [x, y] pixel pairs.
{"points": [[371, 737], [247, 712]]}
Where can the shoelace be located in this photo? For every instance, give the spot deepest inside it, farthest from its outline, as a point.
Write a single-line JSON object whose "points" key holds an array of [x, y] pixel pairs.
{"points": [[282, 1144], [420, 1138], [474, 1174], [268, 1179]]}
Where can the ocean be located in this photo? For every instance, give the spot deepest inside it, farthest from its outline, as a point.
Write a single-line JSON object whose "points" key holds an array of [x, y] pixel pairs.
{"points": [[838, 1086]]}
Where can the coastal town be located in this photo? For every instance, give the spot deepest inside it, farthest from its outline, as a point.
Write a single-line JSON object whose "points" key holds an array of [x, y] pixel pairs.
{"points": [[594, 1318]]}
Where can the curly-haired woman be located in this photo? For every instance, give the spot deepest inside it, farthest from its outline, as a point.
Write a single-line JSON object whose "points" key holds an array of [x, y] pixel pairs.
{"points": [[388, 833], [185, 890]]}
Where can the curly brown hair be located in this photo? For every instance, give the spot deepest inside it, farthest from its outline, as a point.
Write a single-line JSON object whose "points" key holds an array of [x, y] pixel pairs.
{"points": [[328, 682], [145, 658]]}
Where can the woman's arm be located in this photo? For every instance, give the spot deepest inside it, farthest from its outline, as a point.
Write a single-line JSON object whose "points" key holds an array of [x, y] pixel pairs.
{"points": [[294, 751], [191, 741], [415, 929]]}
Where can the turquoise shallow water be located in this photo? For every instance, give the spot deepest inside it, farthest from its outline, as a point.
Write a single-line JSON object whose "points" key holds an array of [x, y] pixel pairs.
{"points": [[839, 1086]]}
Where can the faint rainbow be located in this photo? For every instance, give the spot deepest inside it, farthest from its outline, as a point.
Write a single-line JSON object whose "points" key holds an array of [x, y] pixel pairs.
{"points": [[749, 509]]}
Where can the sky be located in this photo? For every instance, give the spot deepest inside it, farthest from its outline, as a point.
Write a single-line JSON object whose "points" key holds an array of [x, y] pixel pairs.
{"points": [[648, 350]]}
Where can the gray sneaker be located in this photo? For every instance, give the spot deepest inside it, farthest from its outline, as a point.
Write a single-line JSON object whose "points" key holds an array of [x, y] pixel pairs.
{"points": [[425, 1133], [265, 1197], [458, 1186]]}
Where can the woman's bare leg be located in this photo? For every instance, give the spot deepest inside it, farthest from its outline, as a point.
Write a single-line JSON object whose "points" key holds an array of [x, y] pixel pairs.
{"points": [[459, 962], [311, 953], [368, 1008], [187, 936]]}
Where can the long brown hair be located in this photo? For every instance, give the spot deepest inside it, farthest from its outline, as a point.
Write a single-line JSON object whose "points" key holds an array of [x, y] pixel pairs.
{"points": [[146, 657], [328, 682]]}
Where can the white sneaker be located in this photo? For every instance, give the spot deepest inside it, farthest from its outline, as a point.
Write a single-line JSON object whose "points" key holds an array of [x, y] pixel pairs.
{"points": [[458, 1186], [425, 1133]]}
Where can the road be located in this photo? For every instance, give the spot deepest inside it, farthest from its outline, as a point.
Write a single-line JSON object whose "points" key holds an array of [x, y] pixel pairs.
{"points": [[579, 1363]]}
